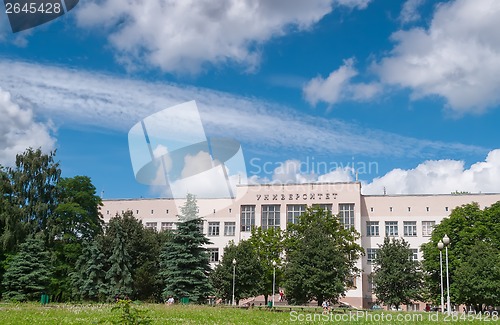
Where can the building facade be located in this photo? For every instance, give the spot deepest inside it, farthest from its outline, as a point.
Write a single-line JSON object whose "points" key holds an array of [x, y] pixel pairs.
{"points": [[411, 217]]}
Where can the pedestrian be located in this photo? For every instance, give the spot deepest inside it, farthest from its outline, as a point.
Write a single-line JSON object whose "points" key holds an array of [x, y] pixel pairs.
{"points": [[281, 295]]}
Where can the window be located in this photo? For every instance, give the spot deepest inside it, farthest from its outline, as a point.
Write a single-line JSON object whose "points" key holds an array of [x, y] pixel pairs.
{"points": [[294, 211], [372, 229], [346, 212], [152, 211], [167, 226], [390, 209], [229, 228], [213, 228], [445, 208], [213, 254], [270, 216], [151, 225], [414, 256], [391, 228], [136, 211], [371, 209], [327, 207], [410, 228], [371, 254], [427, 227], [247, 217], [427, 208]]}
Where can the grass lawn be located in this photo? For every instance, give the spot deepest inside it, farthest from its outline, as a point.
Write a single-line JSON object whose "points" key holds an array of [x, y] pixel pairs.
{"points": [[33, 313]]}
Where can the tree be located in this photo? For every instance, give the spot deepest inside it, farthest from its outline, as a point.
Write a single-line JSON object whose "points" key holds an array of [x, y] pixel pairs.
{"points": [[30, 195], [89, 277], [144, 248], [397, 277], [477, 277], [321, 257], [75, 219], [184, 260], [268, 246], [28, 272], [119, 275], [248, 272], [466, 226]]}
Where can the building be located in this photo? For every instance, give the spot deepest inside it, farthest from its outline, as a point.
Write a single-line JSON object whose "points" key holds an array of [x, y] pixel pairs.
{"points": [[373, 216]]}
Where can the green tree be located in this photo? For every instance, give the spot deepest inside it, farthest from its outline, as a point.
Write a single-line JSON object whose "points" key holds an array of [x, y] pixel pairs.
{"points": [[144, 248], [28, 272], [248, 272], [30, 196], [269, 247], [397, 278], [321, 257], [119, 275], [184, 259], [477, 277], [75, 219], [466, 226], [89, 277]]}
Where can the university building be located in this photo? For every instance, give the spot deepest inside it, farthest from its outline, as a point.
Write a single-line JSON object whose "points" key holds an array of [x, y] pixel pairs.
{"points": [[411, 217]]}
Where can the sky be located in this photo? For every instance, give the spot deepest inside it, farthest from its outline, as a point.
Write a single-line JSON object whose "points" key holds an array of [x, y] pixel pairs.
{"points": [[403, 96]]}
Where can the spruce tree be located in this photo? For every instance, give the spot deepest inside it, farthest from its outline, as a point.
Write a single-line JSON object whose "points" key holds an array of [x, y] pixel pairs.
{"points": [[28, 273], [119, 276], [89, 276], [184, 260]]}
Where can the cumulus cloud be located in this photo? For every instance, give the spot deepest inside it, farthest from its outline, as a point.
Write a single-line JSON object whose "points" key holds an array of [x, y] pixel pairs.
{"points": [[457, 57], [338, 87], [429, 177], [409, 12], [19, 131], [183, 35], [441, 176]]}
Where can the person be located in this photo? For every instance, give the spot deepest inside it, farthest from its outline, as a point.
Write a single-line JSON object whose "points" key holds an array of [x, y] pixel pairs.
{"points": [[281, 295], [325, 307], [170, 300]]}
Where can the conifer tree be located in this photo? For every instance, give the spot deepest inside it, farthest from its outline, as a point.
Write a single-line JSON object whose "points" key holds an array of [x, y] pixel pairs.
{"points": [[28, 272], [89, 276], [184, 260], [119, 276]]}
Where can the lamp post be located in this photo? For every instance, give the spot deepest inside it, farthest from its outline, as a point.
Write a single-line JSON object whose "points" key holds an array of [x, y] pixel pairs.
{"points": [[446, 242], [234, 277], [440, 247], [274, 280]]}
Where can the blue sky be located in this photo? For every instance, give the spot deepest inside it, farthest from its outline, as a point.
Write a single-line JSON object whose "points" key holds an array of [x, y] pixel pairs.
{"points": [[406, 88]]}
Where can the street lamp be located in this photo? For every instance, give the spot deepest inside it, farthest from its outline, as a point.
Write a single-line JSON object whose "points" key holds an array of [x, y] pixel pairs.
{"points": [[274, 279], [446, 242], [440, 247], [234, 277]]}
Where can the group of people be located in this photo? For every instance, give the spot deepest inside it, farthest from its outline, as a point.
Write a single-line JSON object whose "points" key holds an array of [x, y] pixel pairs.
{"points": [[326, 307]]}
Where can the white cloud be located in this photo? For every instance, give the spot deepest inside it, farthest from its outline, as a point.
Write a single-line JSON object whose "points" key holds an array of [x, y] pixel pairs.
{"points": [[19, 131], [183, 35], [338, 87], [83, 98], [441, 176], [457, 57], [180, 36], [409, 12], [429, 177]]}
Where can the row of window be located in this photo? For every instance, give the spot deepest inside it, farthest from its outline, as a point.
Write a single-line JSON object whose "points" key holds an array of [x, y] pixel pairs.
{"points": [[391, 228], [371, 254], [213, 227], [270, 214], [409, 209]]}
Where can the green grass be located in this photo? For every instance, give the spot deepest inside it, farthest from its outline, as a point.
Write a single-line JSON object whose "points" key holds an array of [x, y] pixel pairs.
{"points": [[32, 313]]}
